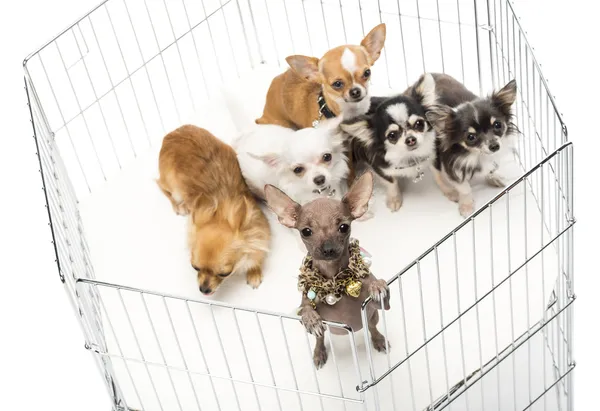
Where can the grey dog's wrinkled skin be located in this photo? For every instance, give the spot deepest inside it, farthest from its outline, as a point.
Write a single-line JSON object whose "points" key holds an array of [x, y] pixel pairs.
{"points": [[323, 217]]}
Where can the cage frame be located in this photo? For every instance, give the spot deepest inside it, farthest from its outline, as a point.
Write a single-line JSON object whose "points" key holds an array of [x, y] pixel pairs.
{"points": [[81, 287]]}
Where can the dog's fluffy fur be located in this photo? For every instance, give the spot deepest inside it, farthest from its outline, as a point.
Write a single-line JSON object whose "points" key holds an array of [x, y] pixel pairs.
{"points": [[228, 232], [342, 75], [472, 132], [307, 163], [394, 138]]}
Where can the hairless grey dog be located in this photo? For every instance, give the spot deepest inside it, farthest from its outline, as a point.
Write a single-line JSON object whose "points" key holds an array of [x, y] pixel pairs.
{"points": [[324, 225]]}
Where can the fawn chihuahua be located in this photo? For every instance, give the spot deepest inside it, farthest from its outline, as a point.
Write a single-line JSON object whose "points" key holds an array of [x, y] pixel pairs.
{"points": [[335, 84]]}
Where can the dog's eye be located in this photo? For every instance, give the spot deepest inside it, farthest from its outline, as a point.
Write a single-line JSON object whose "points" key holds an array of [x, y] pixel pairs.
{"points": [[223, 275], [344, 228], [306, 232], [337, 84], [367, 73], [419, 125], [392, 136], [471, 137], [497, 125], [298, 170], [327, 157]]}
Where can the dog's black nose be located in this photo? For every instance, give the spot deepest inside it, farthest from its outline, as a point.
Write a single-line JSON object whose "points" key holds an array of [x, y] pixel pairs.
{"points": [[205, 289], [319, 180], [328, 252], [355, 92], [328, 249], [494, 147], [410, 141]]}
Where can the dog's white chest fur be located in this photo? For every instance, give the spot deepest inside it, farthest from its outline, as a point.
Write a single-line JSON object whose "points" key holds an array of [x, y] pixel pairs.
{"points": [[488, 164], [351, 110], [409, 164]]}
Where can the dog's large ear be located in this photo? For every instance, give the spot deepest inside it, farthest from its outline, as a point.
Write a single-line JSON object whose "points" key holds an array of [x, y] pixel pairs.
{"points": [[359, 128], [203, 210], [357, 199], [505, 97], [443, 120], [438, 115], [332, 126], [424, 90], [374, 41], [338, 139], [286, 209], [270, 159], [239, 213], [306, 67], [244, 217]]}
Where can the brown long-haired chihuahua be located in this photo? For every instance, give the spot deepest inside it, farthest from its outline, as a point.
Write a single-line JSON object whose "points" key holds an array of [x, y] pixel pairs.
{"points": [[228, 232]]}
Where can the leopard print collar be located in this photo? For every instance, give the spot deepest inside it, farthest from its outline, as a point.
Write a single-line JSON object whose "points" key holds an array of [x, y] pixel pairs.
{"points": [[312, 284]]}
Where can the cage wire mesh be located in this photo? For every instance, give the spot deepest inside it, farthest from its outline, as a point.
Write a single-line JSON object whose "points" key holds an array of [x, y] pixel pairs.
{"points": [[495, 325]]}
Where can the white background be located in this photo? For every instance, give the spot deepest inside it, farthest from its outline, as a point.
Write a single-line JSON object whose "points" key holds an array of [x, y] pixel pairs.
{"points": [[43, 364]]}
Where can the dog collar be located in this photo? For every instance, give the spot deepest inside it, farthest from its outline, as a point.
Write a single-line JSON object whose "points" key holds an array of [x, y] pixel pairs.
{"points": [[316, 288], [416, 162], [323, 110], [330, 192]]}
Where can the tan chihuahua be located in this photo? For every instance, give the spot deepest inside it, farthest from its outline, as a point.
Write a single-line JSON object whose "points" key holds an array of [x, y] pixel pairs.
{"points": [[324, 225], [315, 88], [228, 232]]}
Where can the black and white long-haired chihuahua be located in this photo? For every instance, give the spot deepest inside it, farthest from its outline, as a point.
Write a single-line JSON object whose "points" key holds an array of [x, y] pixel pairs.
{"points": [[395, 138], [472, 132]]}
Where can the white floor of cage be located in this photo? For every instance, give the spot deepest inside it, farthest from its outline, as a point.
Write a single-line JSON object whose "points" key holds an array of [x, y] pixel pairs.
{"points": [[136, 240]]}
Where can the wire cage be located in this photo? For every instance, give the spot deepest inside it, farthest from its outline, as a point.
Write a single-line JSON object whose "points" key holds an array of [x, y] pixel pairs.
{"points": [[481, 320]]}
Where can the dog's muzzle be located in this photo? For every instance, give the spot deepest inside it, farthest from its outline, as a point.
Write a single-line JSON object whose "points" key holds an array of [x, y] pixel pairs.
{"points": [[329, 251], [491, 148], [356, 94]]}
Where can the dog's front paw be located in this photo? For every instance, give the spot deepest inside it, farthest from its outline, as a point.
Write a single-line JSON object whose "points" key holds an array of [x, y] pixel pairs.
{"points": [[394, 202], [320, 357], [495, 180], [379, 291], [451, 195], [313, 322], [254, 277], [380, 344], [466, 209]]}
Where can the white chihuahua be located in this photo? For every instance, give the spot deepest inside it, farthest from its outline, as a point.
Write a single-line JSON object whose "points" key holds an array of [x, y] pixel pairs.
{"points": [[306, 164]]}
